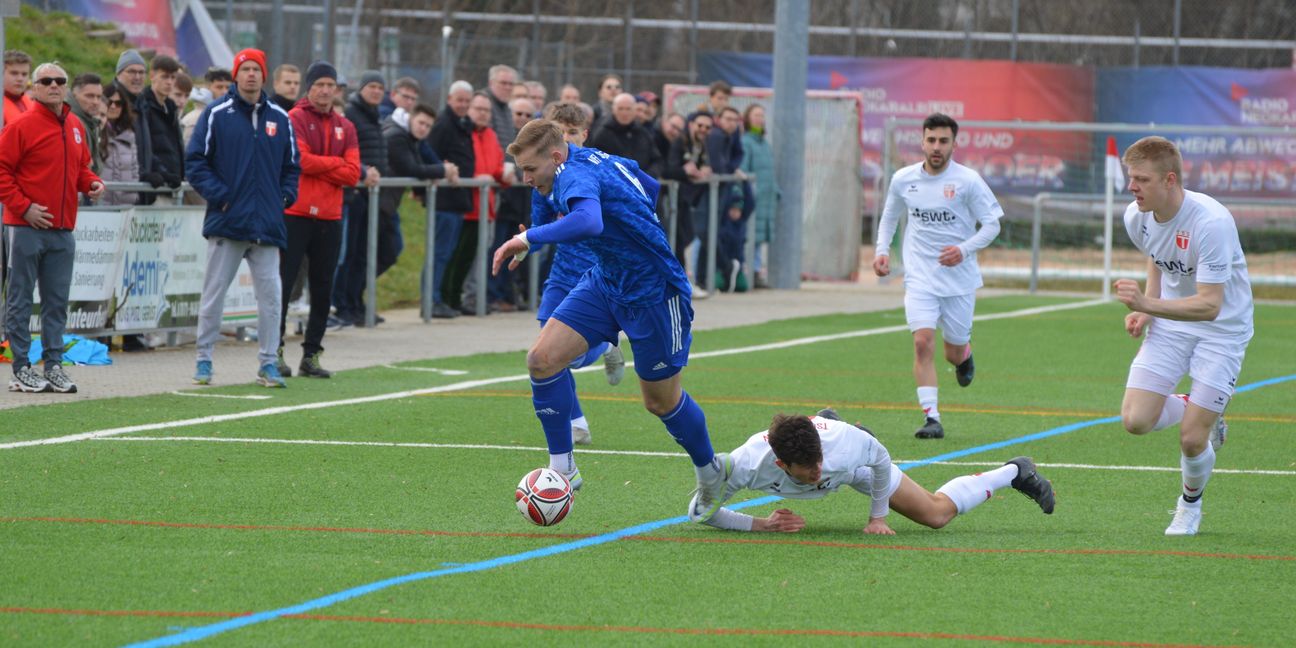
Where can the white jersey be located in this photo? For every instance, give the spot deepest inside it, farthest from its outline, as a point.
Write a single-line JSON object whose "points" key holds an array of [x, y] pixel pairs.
{"points": [[1199, 245], [851, 457], [943, 210]]}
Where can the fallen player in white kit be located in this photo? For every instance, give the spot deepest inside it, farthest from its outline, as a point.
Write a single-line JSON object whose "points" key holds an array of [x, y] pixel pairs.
{"points": [[802, 457]]}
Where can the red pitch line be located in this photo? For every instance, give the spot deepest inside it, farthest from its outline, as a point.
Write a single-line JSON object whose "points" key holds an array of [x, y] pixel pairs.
{"points": [[777, 632], [640, 538]]}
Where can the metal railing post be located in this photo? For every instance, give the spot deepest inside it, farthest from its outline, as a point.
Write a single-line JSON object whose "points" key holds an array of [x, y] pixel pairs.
{"points": [[483, 247], [1035, 239], [713, 222], [672, 208], [371, 261], [429, 256], [749, 250]]}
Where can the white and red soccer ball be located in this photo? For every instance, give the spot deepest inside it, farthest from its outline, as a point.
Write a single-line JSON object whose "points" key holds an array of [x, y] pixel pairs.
{"points": [[544, 497]]}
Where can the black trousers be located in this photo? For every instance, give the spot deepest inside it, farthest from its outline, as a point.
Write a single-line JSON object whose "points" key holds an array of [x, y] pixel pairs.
{"points": [[348, 293], [320, 241], [461, 263]]}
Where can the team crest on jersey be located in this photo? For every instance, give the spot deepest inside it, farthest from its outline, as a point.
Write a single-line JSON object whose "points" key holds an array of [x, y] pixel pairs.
{"points": [[949, 192], [271, 128], [76, 133], [337, 132], [1181, 240]]}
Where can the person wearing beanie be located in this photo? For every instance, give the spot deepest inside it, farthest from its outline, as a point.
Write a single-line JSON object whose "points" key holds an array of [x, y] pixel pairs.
{"points": [[132, 75], [348, 291], [330, 161], [243, 160]]}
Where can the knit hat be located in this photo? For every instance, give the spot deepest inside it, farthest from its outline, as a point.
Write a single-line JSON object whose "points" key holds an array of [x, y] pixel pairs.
{"points": [[128, 58], [371, 76], [254, 55], [319, 70]]}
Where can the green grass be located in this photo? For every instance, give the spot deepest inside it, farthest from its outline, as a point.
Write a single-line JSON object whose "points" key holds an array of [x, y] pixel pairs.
{"points": [[264, 526]]}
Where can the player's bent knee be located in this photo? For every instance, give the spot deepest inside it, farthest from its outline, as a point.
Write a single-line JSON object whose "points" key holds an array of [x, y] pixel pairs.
{"points": [[1136, 425], [658, 405], [542, 363]]}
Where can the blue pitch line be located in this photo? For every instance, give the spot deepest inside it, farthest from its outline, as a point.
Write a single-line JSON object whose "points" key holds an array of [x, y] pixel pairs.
{"points": [[203, 632]]}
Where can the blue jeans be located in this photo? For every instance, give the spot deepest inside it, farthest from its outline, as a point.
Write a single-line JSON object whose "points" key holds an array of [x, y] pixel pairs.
{"points": [[448, 225]]}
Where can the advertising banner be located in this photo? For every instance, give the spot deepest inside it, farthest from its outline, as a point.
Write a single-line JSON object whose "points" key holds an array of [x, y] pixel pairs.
{"points": [[147, 23]]}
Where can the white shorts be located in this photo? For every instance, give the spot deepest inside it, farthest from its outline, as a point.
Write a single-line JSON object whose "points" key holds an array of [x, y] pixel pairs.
{"points": [[1166, 355], [952, 314]]}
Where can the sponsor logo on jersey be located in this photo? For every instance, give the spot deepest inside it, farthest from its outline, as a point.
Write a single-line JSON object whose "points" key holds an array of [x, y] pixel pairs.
{"points": [[949, 192], [933, 216], [1175, 267], [271, 128], [1181, 239]]}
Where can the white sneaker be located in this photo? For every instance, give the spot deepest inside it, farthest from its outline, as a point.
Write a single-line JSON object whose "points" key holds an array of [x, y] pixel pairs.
{"points": [[581, 436], [614, 365], [711, 489], [1186, 519], [699, 292], [1218, 433]]}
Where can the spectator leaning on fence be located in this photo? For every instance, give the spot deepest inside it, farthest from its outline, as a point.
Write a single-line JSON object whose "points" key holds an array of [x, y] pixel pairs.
{"points": [[623, 136], [349, 289], [87, 105], [44, 162], [17, 72], [243, 160], [117, 146], [330, 161], [405, 94], [488, 164], [161, 118], [691, 166], [452, 140]]}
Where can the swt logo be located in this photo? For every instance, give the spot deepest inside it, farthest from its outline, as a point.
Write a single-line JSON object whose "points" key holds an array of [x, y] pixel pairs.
{"points": [[1181, 240]]}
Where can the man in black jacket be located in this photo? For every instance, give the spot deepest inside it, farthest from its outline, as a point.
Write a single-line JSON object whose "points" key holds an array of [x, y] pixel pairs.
{"points": [[405, 133], [348, 289], [451, 138], [623, 136], [691, 166], [161, 118]]}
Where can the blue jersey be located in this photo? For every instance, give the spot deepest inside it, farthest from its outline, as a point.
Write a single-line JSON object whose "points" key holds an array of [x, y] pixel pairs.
{"points": [[571, 260], [634, 263]]}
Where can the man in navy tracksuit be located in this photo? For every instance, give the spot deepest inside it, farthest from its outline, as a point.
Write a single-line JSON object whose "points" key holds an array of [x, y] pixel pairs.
{"points": [[243, 160]]}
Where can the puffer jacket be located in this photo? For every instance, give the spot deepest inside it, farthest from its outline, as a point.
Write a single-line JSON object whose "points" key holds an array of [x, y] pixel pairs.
{"points": [[120, 163]]}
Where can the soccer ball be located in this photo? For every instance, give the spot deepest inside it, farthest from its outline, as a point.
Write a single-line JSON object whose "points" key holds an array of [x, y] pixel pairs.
{"points": [[544, 497]]}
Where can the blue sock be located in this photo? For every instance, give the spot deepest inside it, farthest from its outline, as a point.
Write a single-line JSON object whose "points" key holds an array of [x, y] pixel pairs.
{"points": [[553, 398], [590, 356], [687, 423], [576, 411]]}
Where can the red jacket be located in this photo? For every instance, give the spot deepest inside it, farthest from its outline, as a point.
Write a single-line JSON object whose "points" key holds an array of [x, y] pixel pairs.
{"points": [[330, 160], [15, 107], [45, 159], [489, 160]]}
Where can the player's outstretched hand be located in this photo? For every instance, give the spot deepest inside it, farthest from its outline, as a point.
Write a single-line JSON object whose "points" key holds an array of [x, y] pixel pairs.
{"points": [[878, 526], [951, 256], [782, 520], [1136, 323], [1127, 291], [515, 247], [882, 266]]}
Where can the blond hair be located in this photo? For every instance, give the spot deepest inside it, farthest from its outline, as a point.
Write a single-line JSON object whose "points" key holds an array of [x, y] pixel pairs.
{"points": [[566, 114], [1158, 152], [541, 134]]}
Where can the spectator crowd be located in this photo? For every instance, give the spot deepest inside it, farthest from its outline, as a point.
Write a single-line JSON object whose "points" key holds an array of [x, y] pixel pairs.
{"points": [[283, 160]]}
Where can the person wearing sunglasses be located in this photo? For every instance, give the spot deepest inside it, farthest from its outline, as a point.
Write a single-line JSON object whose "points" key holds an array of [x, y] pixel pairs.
{"points": [[690, 164], [44, 163]]}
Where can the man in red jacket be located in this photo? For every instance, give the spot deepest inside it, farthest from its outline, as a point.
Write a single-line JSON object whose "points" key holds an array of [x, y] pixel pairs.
{"points": [[44, 162], [330, 160]]}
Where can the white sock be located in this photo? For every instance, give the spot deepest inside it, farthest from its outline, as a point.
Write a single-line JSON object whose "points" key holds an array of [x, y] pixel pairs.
{"points": [[1196, 472], [580, 423], [1173, 412], [927, 400], [708, 472], [564, 463], [970, 490]]}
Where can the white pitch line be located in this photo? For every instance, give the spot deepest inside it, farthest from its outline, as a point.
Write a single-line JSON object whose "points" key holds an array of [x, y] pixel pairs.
{"points": [[645, 453], [471, 384], [443, 372], [202, 395]]}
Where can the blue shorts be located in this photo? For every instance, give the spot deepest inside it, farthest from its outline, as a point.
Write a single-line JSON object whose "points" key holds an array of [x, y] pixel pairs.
{"points": [[554, 294], [660, 335]]}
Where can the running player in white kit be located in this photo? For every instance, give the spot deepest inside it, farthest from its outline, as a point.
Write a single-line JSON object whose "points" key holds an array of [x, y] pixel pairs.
{"points": [[1197, 314], [801, 457], [944, 201]]}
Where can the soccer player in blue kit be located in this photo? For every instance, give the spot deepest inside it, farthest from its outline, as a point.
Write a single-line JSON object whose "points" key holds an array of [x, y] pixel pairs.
{"points": [[637, 286], [570, 262]]}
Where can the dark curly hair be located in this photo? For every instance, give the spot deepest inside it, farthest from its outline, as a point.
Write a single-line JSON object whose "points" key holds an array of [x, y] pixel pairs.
{"points": [[795, 440]]}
